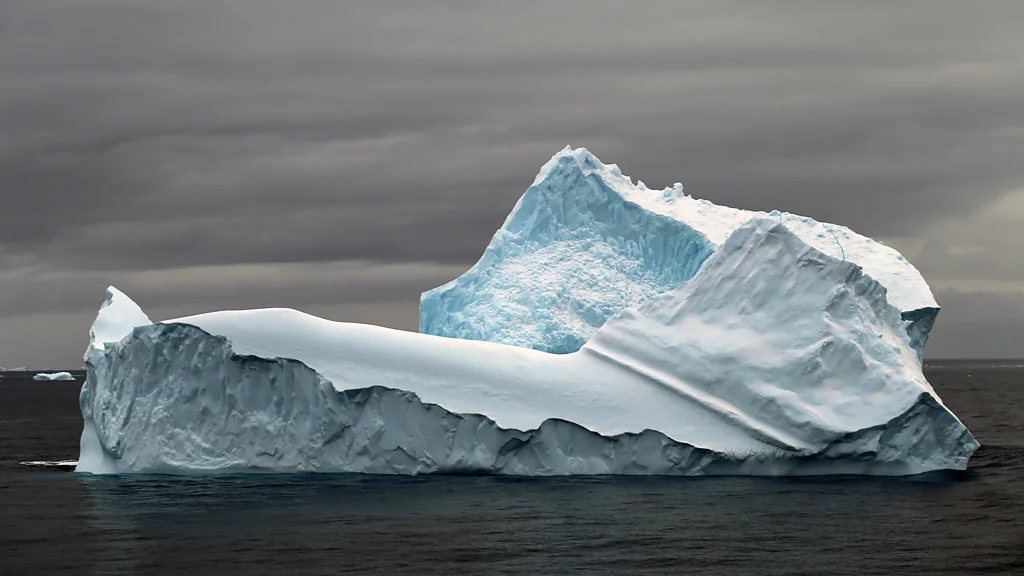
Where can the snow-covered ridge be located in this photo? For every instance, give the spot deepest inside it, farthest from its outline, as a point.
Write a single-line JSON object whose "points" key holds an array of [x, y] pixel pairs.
{"points": [[774, 359], [584, 243]]}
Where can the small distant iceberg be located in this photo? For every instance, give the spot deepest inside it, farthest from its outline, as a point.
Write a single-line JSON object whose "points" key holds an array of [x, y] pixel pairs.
{"points": [[53, 376], [22, 369]]}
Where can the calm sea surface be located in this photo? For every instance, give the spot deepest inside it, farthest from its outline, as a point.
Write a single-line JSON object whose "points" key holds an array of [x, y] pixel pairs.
{"points": [[55, 521]]}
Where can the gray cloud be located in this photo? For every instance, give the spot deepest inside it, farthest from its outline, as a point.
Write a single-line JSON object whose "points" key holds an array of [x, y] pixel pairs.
{"points": [[205, 288], [978, 325], [143, 138]]}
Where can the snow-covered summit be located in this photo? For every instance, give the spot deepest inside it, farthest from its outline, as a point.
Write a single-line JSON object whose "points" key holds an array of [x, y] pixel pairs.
{"points": [[117, 317], [584, 243], [774, 359]]}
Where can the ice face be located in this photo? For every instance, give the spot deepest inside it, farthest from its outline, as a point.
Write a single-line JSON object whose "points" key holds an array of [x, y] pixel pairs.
{"points": [[117, 318], [584, 243], [774, 359]]}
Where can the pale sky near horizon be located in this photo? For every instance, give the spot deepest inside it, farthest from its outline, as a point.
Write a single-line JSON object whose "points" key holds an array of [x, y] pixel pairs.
{"points": [[341, 157]]}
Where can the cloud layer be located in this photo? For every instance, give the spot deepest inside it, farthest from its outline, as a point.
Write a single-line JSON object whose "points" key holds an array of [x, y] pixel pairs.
{"points": [[351, 154]]}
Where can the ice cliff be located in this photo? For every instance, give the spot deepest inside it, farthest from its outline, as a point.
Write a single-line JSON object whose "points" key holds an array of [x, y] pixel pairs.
{"points": [[584, 243], [773, 358]]}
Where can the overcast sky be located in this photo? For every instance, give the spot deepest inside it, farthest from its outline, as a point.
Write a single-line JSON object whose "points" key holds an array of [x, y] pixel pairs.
{"points": [[342, 157]]}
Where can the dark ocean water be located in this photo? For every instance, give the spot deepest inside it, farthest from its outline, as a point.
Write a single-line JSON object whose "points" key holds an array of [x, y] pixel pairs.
{"points": [[55, 521]]}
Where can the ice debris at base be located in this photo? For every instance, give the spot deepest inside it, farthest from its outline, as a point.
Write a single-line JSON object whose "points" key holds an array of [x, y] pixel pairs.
{"points": [[584, 243], [53, 376], [50, 463], [775, 358]]}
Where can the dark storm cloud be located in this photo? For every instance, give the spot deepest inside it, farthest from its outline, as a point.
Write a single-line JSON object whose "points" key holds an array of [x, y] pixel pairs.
{"points": [[143, 138]]}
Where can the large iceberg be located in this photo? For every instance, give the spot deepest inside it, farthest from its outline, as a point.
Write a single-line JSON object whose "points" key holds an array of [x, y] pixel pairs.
{"points": [[774, 357], [585, 243]]}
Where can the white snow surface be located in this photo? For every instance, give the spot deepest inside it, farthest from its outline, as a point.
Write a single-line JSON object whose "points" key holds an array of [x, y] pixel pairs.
{"points": [[584, 243], [776, 358], [117, 317], [53, 376]]}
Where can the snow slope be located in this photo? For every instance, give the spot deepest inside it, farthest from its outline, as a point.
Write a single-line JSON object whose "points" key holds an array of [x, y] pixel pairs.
{"points": [[584, 243], [774, 359]]}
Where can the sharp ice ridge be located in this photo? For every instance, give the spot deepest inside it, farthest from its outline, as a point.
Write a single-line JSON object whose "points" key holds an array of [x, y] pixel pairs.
{"points": [[717, 406]]}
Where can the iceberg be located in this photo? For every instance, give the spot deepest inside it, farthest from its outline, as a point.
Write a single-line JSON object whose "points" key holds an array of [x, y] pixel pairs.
{"points": [[53, 376], [584, 243], [773, 358]]}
